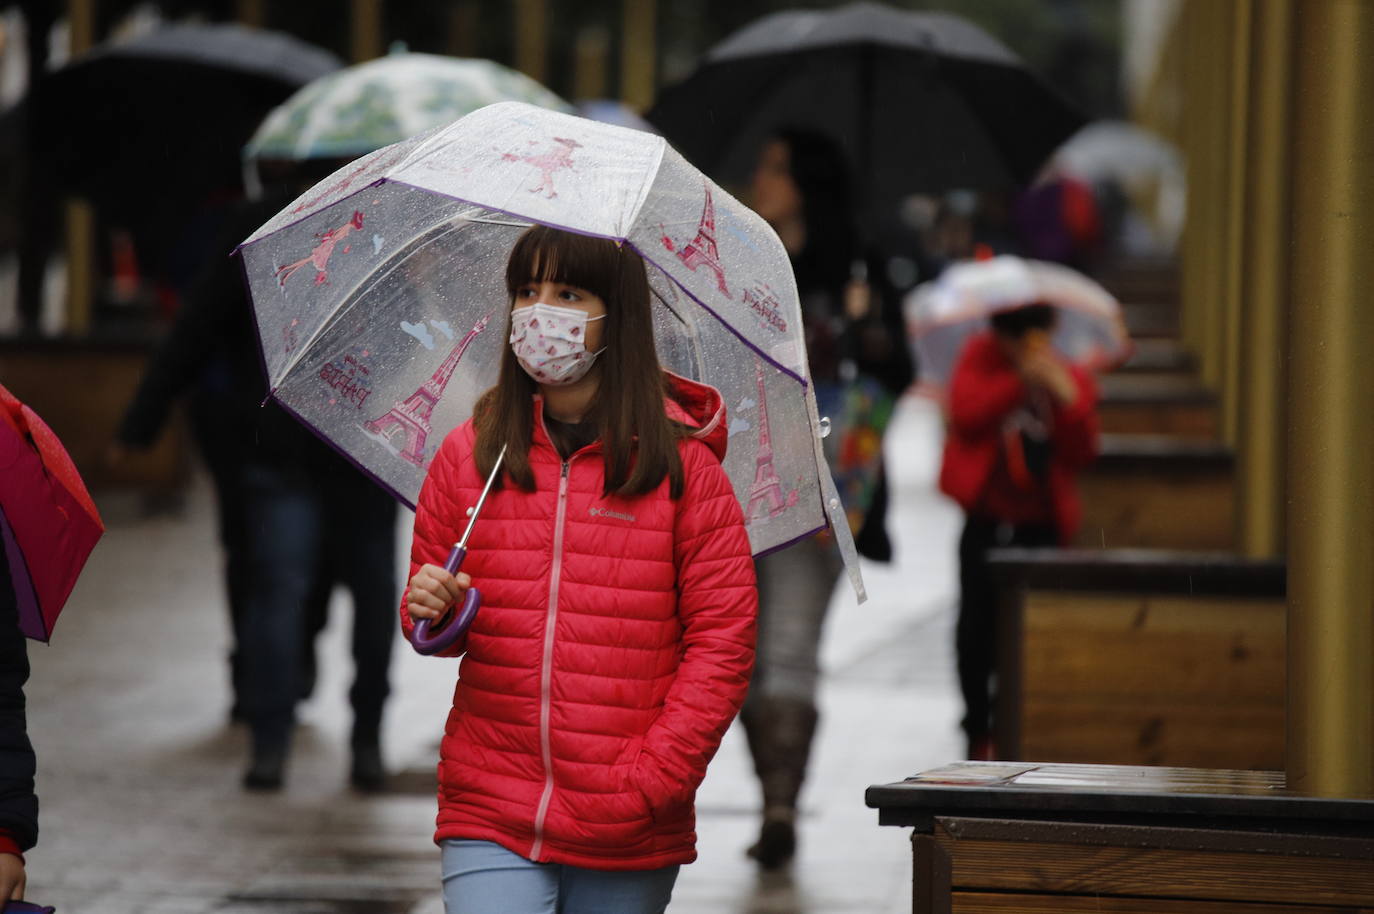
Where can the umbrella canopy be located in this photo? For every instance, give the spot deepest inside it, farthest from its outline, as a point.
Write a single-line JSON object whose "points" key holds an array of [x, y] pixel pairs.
{"points": [[922, 102], [159, 119], [48, 523], [1146, 168], [380, 102], [942, 314], [613, 111], [382, 309]]}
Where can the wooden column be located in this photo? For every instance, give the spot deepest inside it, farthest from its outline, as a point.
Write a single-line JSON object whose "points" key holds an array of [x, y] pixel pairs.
{"points": [[464, 19], [365, 29], [532, 38], [251, 12], [1236, 210], [80, 217], [1331, 401], [1213, 97], [589, 71], [638, 50], [1193, 246], [1264, 286]]}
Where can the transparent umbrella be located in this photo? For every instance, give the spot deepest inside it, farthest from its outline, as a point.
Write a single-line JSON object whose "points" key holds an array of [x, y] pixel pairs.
{"points": [[381, 304], [374, 104], [942, 314]]}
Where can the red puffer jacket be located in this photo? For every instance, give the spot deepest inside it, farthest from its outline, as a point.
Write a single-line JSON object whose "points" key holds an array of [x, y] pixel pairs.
{"points": [[612, 650], [985, 389]]}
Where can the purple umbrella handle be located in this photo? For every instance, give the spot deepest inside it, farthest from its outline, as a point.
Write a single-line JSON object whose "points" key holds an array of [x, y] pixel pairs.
{"points": [[451, 626]]}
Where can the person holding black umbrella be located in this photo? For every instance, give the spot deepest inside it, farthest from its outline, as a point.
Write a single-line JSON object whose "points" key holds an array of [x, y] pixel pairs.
{"points": [[854, 345], [919, 102]]}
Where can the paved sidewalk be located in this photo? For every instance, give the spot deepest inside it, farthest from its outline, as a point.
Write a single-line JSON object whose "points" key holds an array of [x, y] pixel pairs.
{"points": [[138, 768]]}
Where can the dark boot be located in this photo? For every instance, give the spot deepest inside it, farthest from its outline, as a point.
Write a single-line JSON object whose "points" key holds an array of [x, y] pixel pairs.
{"points": [[267, 770], [368, 773], [780, 732]]}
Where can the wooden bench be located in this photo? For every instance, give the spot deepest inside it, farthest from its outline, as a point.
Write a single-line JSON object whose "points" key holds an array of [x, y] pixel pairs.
{"points": [[994, 838], [1158, 492], [1141, 279], [1151, 319], [81, 389], [1160, 404], [1158, 358], [1140, 657]]}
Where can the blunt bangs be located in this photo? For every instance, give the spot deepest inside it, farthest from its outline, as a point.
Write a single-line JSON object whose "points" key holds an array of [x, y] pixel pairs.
{"points": [[544, 254]]}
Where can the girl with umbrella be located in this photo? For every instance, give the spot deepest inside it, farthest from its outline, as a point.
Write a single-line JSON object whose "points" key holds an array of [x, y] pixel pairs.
{"points": [[616, 636]]}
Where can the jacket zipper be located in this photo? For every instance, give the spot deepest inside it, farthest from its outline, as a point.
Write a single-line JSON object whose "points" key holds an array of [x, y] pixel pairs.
{"points": [[546, 666]]}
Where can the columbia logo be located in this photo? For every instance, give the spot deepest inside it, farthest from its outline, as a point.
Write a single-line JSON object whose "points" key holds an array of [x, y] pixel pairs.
{"points": [[603, 512]]}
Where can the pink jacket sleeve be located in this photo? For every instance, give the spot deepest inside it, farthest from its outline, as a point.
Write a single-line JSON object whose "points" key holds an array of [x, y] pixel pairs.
{"points": [[718, 606], [438, 520]]}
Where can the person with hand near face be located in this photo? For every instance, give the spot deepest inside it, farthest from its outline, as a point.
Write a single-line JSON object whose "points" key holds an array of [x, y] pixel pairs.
{"points": [[1021, 424]]}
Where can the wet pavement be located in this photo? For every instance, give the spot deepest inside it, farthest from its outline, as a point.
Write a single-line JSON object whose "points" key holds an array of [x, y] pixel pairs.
{"points": [[139, 768]]}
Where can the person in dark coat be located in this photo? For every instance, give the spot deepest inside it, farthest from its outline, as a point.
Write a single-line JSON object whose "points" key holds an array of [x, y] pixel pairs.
{"points": [[218, 379], [296, 514], [859, 365], [1022, 423], [18, 802]]}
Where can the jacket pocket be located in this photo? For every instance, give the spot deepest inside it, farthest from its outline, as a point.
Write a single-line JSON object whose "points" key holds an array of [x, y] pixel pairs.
{"points": [[629, 766]]}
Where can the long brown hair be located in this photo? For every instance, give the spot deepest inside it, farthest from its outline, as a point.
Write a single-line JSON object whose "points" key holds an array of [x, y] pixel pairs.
{"points": [[638, 440]]}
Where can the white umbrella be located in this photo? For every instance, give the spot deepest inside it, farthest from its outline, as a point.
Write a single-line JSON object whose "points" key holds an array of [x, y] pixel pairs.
{"points": [[373, 104], [942, 314]]}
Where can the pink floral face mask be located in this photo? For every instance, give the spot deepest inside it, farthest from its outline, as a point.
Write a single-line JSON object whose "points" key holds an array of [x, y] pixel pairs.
{"points": [[550, 343]]}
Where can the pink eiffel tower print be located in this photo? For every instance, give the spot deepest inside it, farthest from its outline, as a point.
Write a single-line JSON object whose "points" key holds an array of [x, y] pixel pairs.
{"points": [[410, 417], [766, 496], [554, 160], [701, 250]]}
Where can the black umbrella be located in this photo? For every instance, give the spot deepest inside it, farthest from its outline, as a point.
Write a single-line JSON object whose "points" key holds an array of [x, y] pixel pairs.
{"points": [[160, 119], [922, 102]]}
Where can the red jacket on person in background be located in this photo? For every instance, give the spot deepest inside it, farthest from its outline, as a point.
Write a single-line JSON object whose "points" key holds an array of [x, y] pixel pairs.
{"points": [[983, 392], [612, 649]]}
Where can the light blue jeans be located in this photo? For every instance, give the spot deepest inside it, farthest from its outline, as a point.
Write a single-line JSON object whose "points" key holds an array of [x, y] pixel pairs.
{"points": [[484, 878]]}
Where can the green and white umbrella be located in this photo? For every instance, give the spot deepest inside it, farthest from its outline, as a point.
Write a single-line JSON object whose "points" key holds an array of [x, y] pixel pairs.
{"points": [[362, 108]]}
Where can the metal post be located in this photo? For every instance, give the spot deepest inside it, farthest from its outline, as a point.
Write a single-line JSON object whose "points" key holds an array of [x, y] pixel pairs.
{"points": [[1331, 399]]}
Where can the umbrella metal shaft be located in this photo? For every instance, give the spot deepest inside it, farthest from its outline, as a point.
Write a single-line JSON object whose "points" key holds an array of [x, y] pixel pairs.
{"points": [[477, 508]]}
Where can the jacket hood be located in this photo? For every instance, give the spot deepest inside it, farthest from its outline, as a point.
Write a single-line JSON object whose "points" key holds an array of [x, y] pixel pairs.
{"points": [[701, 408]]}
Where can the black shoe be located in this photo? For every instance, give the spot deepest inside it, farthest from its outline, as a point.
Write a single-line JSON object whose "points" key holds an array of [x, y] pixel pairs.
{"points": [[266, 771], [776, 845], [368, 774], [309, 672]]}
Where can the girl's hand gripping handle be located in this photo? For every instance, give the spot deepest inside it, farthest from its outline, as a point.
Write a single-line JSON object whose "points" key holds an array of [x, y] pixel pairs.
{"points": [[428, 639], [451, 626]]}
